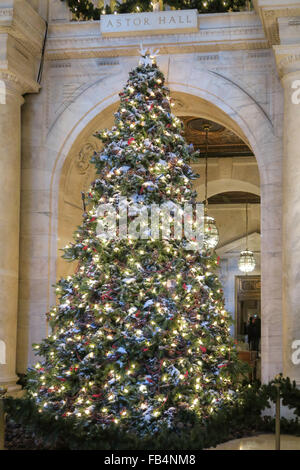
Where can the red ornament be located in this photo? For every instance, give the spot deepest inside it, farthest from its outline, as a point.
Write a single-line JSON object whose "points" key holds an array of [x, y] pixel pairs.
{"points": [[85, 248], [203, 349], [130, 140]]}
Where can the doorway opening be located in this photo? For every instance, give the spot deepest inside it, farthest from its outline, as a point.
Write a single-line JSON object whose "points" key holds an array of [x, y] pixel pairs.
{"points": [[248, 320]]}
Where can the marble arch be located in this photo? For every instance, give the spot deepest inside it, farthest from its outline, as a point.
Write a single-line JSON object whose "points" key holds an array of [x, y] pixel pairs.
{"points": [[223, 185]]}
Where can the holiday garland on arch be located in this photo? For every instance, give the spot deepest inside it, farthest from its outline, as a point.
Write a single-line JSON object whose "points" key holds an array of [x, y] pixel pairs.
{"points": [[86, 10]]}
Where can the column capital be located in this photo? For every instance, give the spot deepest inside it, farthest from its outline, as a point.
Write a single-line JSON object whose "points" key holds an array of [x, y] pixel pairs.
{"points": [[11, 87], [281, 23], [22, 33], [288, 61]]}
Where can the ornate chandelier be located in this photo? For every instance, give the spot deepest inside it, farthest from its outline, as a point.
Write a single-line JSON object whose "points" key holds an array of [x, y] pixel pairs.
{"points": [[211, 234], [247, 261]]}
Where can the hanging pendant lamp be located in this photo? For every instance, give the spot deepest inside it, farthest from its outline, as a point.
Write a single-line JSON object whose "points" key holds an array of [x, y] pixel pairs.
{"points": [[211, 234], [247, 261]]}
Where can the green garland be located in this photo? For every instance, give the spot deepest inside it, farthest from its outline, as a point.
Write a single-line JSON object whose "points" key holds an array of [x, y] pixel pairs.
{"points": [[242, 418], [86, 10]]}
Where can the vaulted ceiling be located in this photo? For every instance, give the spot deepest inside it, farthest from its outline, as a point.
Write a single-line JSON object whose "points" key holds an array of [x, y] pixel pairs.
{"points": [[222, 142]]}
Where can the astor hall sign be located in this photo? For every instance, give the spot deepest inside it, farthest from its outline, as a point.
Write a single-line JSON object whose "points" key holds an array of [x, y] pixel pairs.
{"points": [[161, 22]]}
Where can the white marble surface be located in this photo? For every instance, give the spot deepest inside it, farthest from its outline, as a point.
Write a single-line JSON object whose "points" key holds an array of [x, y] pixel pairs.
{"points": [[10, 128], [261, 442]]}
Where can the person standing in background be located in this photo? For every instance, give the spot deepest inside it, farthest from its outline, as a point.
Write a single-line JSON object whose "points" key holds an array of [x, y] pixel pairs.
{"points": [[250, 332], [256, 330]]}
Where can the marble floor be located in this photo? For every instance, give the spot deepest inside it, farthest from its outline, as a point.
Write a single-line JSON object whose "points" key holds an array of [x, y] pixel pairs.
{"points": [[261, 442]]}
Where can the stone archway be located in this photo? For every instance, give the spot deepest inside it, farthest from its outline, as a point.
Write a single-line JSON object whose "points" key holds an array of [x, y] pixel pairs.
{"points": [[215, 99]]}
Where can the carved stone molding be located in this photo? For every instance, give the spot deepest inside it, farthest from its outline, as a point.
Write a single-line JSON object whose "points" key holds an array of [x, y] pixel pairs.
{"points": [[22, 33], [18, 64], [6, 13], [219, 32], [10, 85], [62, 90], [271, 11], [287, 59], [80, 172], [24, 23], [289, 30], [248, 287], [177, 48], [82, 162]]}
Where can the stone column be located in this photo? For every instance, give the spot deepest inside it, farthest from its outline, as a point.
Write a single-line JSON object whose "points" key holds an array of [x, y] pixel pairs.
{"points": [[287, 55], [10, 162], [291, 227], [22, 33]]}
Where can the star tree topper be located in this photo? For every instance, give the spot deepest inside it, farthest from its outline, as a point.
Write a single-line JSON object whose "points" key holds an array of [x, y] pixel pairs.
{"points": [[148, 55]]}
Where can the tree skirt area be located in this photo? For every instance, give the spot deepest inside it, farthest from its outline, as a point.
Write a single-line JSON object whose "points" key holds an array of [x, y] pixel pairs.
{"points": [[17, 437]]}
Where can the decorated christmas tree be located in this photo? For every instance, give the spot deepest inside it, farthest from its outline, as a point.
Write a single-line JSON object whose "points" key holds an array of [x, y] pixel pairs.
{"points": [[140, 337]]}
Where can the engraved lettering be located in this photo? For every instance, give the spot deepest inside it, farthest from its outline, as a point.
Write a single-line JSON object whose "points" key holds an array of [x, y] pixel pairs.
{"points": [[129, 24]]}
